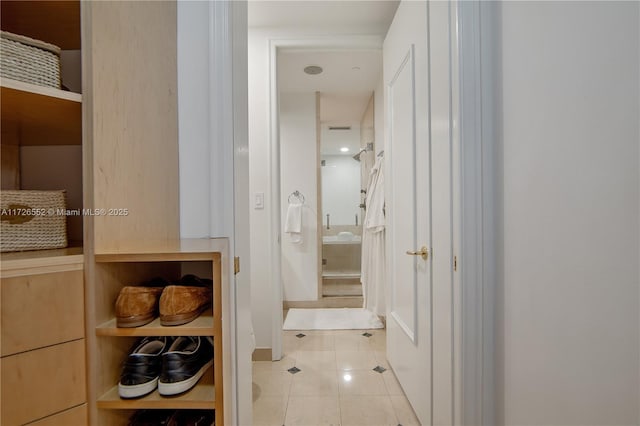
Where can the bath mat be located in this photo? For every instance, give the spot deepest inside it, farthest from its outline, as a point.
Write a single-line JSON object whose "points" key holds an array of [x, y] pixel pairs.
{"points": [[331, 319]]}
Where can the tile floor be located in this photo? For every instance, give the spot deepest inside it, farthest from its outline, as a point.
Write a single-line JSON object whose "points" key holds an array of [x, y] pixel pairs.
{"points": [[336, 384]]}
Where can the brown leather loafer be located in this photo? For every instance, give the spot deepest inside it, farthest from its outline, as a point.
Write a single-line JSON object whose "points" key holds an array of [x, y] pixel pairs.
{"points": [[138, 305], [180, 304]]}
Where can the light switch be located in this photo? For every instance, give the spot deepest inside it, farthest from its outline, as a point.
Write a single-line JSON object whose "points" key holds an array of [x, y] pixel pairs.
{"points": [[258, 203]]}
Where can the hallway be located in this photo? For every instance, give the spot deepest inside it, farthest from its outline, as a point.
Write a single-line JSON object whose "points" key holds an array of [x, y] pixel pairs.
{"points": [[336, 384]]}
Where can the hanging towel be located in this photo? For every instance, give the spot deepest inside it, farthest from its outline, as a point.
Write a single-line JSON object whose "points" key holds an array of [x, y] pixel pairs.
{"points": [[373, 243], [293, 223]]}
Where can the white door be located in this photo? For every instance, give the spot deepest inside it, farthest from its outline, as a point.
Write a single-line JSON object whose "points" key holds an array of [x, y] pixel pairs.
{"points": [[417, 76], [408, 205]]}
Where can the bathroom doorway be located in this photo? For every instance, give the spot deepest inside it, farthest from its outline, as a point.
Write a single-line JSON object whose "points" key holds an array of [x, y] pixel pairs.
{"points": [[346, 153], [327, 125]]}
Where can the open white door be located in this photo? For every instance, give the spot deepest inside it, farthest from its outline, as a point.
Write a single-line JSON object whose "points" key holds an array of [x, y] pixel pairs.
{"points": [[421, 106], [408, 206]]}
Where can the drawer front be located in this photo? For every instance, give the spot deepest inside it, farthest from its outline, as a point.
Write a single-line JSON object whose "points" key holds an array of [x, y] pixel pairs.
{"points": [[76, 416], [39, 383], [41, 310]]}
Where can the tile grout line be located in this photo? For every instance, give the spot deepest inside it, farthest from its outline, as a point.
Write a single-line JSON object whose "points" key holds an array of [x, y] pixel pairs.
{"points": [[295, 362], [335, 357]]}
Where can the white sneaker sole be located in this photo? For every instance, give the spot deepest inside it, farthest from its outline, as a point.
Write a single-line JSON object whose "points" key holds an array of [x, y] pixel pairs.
{"points": [[134, 391], [183, 386]]}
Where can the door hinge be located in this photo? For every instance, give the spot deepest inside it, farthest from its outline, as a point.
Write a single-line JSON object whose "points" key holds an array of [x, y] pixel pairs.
{"points": [[455, 263], [236, 265]]}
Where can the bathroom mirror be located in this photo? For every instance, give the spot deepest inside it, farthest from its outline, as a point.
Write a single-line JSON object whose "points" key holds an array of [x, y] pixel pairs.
{"points": [[342, 148]]}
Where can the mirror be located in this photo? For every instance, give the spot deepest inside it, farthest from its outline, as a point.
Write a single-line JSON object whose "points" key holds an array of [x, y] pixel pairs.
{"points": [[344, 174]]}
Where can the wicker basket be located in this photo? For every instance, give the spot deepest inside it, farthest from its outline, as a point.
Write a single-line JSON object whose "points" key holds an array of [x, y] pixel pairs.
{"points": [[32, 220], [32, 61]]}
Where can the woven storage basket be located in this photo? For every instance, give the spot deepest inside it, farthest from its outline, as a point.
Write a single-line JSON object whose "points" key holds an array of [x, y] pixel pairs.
{"points": [[32, 220], [29, 60]]}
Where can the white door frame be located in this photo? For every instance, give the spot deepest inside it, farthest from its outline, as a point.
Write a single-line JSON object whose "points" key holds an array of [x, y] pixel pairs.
{"points": [[474, 370], [474, 296], [330, 42], [229, 187]]}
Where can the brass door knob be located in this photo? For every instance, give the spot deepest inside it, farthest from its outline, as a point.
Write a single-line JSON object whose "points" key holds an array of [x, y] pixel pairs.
{"points": [[423, 253]]}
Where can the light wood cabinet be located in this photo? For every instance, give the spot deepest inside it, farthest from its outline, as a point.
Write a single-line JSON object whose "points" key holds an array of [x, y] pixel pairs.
{"points": [[42, 335], [41, 310], [39, 383]]}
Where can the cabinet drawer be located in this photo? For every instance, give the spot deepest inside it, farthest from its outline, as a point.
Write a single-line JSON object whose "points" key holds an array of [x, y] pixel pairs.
{"points": [[76, 416], [41, 310], [38, 383]]}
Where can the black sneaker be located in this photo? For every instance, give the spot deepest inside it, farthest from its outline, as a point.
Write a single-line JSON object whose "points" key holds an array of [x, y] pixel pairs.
{"points": [[154, 418], [195, 418], [184, 364], [142, 368]]}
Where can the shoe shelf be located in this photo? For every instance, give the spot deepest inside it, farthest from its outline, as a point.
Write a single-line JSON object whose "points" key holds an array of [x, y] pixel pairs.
{"points": [[202, 396], [131, 263], [201, 326]]}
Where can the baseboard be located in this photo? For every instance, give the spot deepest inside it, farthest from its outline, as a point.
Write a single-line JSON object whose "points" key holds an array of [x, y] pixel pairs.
{"points": [[325, 302], [262, 354]]}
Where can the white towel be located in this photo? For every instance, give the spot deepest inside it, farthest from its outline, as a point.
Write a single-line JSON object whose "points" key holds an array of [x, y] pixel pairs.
{"points": [[293, 224]]}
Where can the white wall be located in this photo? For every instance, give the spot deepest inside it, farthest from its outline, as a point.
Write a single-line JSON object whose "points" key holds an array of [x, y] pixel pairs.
{"points": [[194, 118], [260, 182], [298, 171], [340, 190], [570, 152]]}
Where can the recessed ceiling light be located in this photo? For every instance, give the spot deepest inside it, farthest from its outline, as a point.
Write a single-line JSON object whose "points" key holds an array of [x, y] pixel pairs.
{"points": [[344, 149], [313, 69]]}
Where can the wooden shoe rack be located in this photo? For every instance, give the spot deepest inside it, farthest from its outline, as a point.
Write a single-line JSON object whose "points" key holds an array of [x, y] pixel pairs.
{"points": [[138, 262]]}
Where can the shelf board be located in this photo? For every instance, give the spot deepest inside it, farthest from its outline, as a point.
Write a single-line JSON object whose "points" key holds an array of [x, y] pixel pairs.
{"points": [[201, 326], [186, 249], [55, 260], [341, 274], [39, 115], [56, 22], [202, 396]]}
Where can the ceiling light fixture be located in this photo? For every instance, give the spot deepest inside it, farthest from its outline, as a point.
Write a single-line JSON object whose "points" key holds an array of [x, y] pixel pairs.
{"points": [[344, 149], [313, 69]]}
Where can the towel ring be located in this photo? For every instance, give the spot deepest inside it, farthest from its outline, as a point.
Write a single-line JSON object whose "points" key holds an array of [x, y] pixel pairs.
{"points": [[296, 194]]}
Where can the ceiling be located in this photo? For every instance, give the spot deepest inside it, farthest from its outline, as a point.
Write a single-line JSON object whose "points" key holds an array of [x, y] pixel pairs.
{"points": [[349, 77], [373, 17], [346, 84]]}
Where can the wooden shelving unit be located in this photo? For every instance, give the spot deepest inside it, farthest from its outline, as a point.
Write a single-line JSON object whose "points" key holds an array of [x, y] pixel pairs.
{"points": [[42, 137], [43, 312], [123, 126], [128, 263]]}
